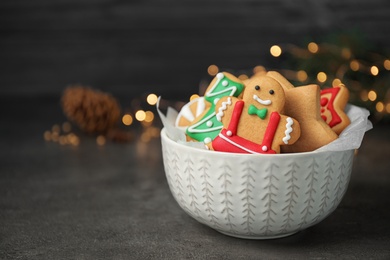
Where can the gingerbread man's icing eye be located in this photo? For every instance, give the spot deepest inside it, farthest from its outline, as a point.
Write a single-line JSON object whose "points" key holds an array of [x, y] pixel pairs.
{"points": [[257, 87], [272, 92]]}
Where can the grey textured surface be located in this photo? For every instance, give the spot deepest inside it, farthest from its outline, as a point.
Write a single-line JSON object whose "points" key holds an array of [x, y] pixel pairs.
{"points": [[113, 202]]}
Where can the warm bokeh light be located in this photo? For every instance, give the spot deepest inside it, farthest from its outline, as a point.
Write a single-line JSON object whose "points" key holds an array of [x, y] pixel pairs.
{"points": [[66, 127], [336, 82], [101, 140], [372, 95], [321, 77], [145, 137], [73, 139], [313, 47], [212, 70], [55, 136], [374, 70], [275, 51], [56, 128], [302, 75], [346, 53], [386, 64], [140, 115], [364, 95], [152, 99], [388, 108], [149, 116], [127, 119], [354, 65], [47, 135], [379, 106]]}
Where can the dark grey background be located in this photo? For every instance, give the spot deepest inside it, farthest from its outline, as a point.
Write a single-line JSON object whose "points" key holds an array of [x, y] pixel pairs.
{"points": [[113, 201], [132, 47]]}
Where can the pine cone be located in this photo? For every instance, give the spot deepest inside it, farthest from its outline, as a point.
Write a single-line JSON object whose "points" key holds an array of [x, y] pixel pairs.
{"points": [[91, 110]]}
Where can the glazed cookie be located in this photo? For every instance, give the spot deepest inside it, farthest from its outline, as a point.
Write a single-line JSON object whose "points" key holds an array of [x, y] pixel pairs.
{"points": [[333, 102], [303, 104], [190, 111], [206, 127], [255, 123]]}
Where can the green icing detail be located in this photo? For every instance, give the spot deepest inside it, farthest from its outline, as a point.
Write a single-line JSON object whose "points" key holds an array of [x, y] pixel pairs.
{"points": [[252, 110], [200, 131]]}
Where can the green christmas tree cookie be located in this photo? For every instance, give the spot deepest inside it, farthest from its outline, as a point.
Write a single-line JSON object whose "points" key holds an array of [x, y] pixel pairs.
{"points": [[208, 127]]}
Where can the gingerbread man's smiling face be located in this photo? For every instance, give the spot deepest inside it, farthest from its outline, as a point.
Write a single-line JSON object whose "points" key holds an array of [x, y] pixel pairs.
{"points": [[264, 92]]}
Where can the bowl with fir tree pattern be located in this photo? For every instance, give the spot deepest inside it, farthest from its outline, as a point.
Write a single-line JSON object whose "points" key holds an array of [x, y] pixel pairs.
{"points": [[256, 196]]}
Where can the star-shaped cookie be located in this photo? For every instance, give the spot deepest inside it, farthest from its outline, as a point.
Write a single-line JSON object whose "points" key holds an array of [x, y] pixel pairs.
{"points": [[303, 104]]}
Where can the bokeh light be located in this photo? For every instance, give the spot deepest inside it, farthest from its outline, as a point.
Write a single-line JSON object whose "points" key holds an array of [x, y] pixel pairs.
{"points": [[101, 140], [374, 70], [212, 70], [149, 116], [379, 106], [127, 119], [354, 65], [301, 75], [372, 95], [336, 82], [152, 99], [386, 64], [313, 47], [275, 51], [140, 115], [321, 77]]}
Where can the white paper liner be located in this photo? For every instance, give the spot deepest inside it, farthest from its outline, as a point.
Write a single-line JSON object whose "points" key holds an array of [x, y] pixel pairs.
{"points": [[350, 138]]}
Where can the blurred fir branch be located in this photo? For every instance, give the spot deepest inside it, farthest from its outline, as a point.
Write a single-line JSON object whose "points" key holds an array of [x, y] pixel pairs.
{"points": [[343, 57]]}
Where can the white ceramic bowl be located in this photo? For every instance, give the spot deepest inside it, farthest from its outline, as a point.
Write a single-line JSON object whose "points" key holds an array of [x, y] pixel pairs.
{"points": [[256, 196]]}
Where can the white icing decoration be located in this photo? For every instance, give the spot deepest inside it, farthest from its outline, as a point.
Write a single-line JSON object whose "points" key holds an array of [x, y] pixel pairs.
{"points": [[288, 131], [229, 133], [230, 90], [209, 123], [264, 148], [192, 128], [220, 75], [223, 108], [216, 101], [187, 113], [236, 144], [263, 102], [207, 140], [201, 107], [225, 83]]}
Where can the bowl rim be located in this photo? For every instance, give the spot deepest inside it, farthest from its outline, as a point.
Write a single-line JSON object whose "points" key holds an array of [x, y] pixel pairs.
{"points": [[165, 136]]}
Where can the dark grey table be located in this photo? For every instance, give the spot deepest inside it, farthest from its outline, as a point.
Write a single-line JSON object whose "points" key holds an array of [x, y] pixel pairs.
{"points": [[113, 201]]}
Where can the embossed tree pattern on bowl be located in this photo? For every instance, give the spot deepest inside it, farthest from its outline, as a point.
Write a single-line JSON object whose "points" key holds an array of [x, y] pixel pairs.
{"points": [[256, 196]]}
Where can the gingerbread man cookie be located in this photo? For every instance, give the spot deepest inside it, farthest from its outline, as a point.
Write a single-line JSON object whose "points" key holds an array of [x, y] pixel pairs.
{"points": [[255, 123], [303, 104], [206, 127], [333, 102]]}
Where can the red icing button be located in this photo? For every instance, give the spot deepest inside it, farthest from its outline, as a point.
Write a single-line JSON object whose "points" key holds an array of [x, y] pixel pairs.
{"points": [[324, 101]]}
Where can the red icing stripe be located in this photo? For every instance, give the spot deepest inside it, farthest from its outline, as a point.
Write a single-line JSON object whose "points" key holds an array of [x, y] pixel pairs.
{"points": [[330, 106], [232, 143], [271, 130], [233, 124]]}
